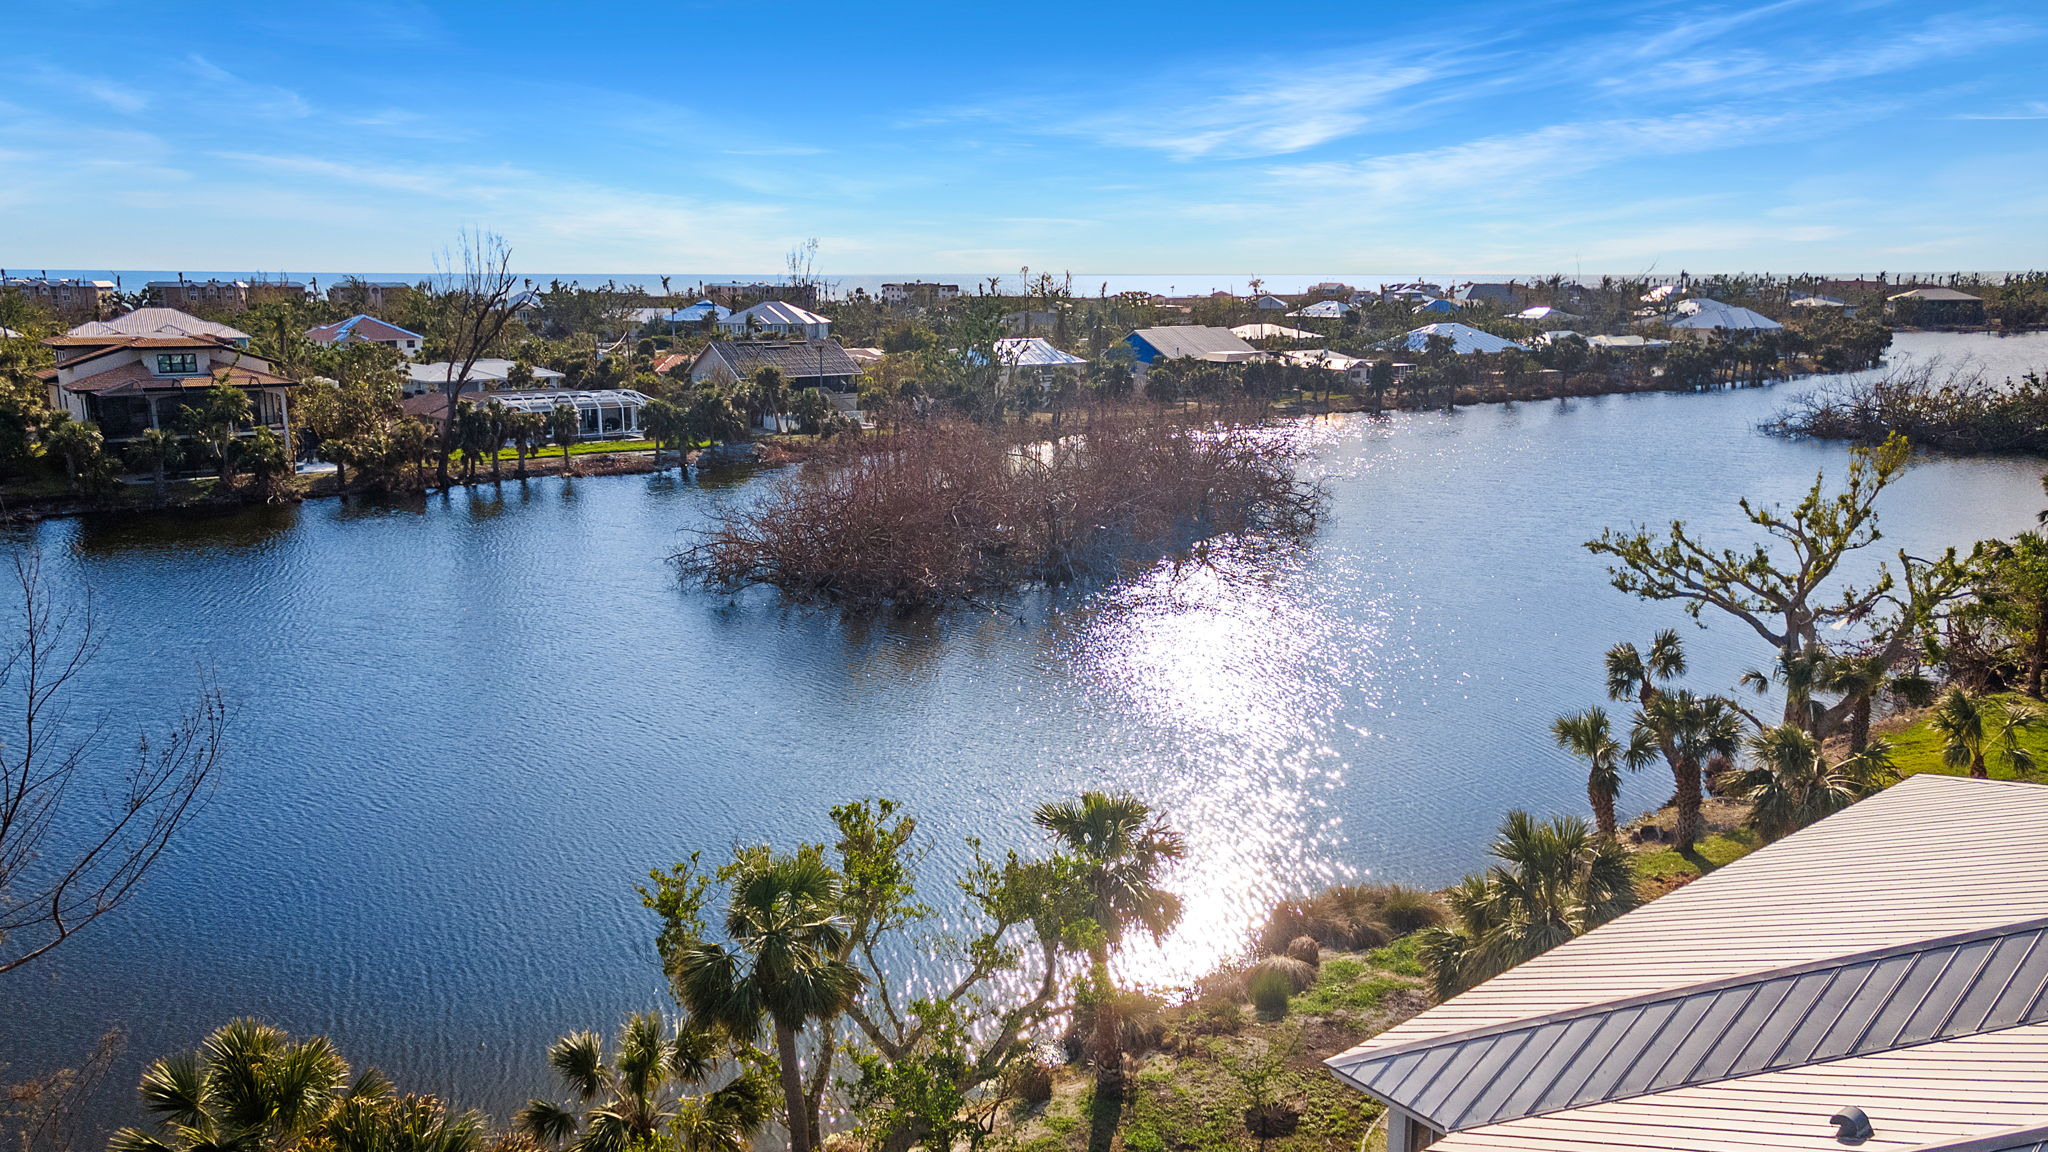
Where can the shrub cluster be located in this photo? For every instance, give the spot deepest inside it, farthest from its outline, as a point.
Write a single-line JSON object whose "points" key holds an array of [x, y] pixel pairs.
{"points": [[1350, 917], [1953, 408], [941, 510]]}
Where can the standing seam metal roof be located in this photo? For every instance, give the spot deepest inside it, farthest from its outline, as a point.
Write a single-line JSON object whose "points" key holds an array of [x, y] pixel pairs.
{"points": [[1894, 998]]}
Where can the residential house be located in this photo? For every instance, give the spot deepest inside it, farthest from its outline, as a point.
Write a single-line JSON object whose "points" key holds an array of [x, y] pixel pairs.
{"points": [[803, 363], [126, 383], [1331, 288], [1437, 307], [1030, 320], [1271, 332], [1500, 294], [1189, 342], [1465, 340], [486, 375], [375, 294], [158, 322], [1626, 343], [1544, 314], [1034, 358], [1824, 303], [1270, 303], [918, 293], [66, 296], [695, 315], [777, 318], [1936, 308], [1323, 310], [1704, 315], [1875, 980], [361, 329]]}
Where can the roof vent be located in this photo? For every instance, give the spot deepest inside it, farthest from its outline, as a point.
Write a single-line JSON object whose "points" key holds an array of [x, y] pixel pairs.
{"points": [[1852, 1126]]}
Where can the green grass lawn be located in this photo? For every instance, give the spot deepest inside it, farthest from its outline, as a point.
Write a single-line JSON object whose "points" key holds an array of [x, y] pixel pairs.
{"points": [[586, 448], [1661, 866], [1918, 748]]}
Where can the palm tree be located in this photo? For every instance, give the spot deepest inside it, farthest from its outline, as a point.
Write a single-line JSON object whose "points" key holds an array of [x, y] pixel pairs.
{"points": [[251, 1088], [626, 1102], [1556, 880], [1121, 850], [78, 442], [1792, 784], [155, 450], [1588, 736], [1634, 675], [783, 967], [565, 425], [1690, 730], [1859, 678], [1970, 731]]}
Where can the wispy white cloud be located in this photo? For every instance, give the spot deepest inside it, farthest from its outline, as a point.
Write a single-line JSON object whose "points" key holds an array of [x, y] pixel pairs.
{"points": [[2032, 110], [112, 93], [270, 100], [1777, 64]]}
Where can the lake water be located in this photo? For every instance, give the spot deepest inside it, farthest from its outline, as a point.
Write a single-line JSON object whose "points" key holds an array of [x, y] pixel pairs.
{"points": [[465, 727]]}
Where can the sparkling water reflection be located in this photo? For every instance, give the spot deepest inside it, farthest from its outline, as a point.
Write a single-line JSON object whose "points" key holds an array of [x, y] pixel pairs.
{"points": [[466, 725]]}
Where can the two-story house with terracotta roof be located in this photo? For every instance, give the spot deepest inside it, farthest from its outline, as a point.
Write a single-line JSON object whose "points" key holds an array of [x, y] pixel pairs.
{"points": [[126, 382]]}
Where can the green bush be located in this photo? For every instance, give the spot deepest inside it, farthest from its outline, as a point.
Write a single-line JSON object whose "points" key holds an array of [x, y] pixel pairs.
{"points": [[1408, 910], [1270, 988]]}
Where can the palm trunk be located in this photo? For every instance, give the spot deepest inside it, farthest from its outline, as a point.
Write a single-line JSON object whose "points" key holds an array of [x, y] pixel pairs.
{"points": [[1106, 1044], [1686, 774], [1859, 724], [1603, 811], [160, 491], [792, 1086], [2039, 653], [1978, 768]]}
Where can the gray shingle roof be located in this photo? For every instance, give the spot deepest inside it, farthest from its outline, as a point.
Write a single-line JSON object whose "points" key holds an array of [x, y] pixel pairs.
{"points": [[1916, 994], [795, 359]]}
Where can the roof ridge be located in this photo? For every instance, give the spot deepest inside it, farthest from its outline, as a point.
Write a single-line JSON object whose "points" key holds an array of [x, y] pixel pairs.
{"points": [[2031, 1136]]}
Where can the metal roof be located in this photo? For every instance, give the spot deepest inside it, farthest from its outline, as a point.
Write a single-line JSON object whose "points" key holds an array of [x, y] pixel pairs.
{"points": [[1271, 332], [1324, 310], [1464, 339], [1196, 341], [1033, 352], [1894, 998], [773, 312], [1713, 314], [1894, 955], [157, 322]]}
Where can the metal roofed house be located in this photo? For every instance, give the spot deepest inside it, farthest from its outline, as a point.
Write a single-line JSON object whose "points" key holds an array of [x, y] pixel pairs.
{"points": [[159, 322], [1892, 958], [1465, 340], [1323, 310], [1546, 312], [1936, 307], [1440, 307], [1714, 316], [362, 329], [1270, 303], [1189, 342], [1271, 332], [487, 374], [779, 318], [1488, 293], [1623, 342], [803, 363]]}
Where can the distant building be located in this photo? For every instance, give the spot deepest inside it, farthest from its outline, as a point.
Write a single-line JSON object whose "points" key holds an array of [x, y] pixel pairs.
{"points": [[1034, 358], [1439, 307], [1489, 293], [361, 329], [803, 363], [1271, 332], [226, 295], [1818, 302], [1189, 342], [1465, 340], [1270, 303], [1874, 980], [1331, 288], [158, 322], [1545, 314], [127, 383], [1713, 316], [376, 294], [486, 375], [1323, 310], [1029, 321], [919, 293], [64, 295], [734, 294], [697, 314], [778, 318], [1936, 308]]}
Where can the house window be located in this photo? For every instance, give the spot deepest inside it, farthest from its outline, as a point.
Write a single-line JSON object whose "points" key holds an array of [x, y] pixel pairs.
{"points": [[177, 363]]}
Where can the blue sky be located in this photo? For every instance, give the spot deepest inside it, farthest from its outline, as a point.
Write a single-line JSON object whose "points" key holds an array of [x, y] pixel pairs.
{"points": [[1103, 137]]}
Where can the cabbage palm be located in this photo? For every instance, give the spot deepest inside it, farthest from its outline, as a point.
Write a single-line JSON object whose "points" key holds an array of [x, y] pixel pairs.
{"points": [[1970, 730], [1588, 736], [251, 1088], [1556, 880], [1120, 850], [1635, 675], [627, 1101], [1792, 783], [782, 968], [1690, 730]]}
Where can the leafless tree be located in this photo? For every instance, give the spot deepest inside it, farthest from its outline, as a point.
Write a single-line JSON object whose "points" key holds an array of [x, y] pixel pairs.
{"points": [[78, 832], [476, 285], [45, 1114]]}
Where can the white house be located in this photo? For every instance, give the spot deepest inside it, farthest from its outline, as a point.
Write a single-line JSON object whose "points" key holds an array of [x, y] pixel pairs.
{"points": [[1714, 316], [488, 374], [361, 329], [1876, 980], [1465, 340], [1323, 310], [777, 318]]}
